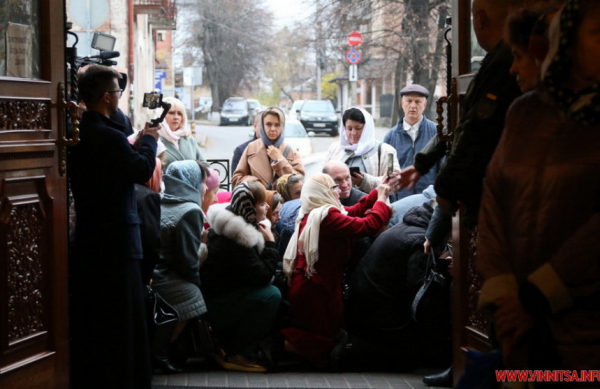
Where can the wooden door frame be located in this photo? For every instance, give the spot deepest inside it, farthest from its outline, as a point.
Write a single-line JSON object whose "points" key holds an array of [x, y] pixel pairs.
{"points": [[467, 321], [30, 175]]}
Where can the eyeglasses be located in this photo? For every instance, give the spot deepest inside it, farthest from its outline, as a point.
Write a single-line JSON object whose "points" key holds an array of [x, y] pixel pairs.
{"points": [[335, 187], [120, 91]]}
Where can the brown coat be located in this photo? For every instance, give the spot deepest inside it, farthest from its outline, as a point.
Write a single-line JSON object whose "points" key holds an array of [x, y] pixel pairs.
{"points": [[540, 222], [254, 164]]}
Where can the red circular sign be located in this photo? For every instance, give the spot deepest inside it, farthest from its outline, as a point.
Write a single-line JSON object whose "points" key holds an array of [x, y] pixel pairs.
{"points": [[353, 56], [355, 38]]}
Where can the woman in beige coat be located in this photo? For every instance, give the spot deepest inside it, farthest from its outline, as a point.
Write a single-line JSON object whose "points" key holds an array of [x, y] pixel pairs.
{"points": [[269, 157]]}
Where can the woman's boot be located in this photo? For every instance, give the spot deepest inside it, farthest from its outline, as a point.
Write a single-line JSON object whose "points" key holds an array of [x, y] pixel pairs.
{"points": [[160, 351]]}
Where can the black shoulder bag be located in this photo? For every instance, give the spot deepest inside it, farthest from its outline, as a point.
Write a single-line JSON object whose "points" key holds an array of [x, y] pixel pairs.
{"points": [[431, 305]]}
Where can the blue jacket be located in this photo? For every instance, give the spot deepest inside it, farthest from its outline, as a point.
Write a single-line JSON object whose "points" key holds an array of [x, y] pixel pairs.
{"points": [[287, 223], [406, 150]]}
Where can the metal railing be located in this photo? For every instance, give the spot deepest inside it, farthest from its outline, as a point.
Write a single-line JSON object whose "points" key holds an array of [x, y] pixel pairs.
{"points": [[221, 166]]}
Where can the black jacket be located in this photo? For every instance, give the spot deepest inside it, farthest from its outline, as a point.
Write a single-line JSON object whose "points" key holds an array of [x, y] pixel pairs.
{"points": [[238, 255], [237, 154], [148, 207], [384, 282], [103, 168]]}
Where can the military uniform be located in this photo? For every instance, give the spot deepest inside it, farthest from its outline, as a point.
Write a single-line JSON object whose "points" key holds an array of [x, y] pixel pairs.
{"points": [[477, 134]]}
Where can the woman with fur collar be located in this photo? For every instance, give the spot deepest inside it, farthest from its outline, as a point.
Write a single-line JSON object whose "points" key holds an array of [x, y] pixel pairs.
{"points": [[359, 148], [242, 258], [269, 157], [319, 249]]}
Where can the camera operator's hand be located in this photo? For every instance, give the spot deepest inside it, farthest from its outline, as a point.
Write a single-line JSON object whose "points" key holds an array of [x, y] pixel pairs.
{"points": [[151, 130]]}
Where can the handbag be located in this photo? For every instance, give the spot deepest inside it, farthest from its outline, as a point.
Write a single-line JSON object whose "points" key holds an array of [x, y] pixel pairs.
{"points": [[162, 320], [431, 305], [200, 336], [162, 313]]}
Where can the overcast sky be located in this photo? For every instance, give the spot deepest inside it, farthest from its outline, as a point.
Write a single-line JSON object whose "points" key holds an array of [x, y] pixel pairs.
{"points": [[288, 11]]}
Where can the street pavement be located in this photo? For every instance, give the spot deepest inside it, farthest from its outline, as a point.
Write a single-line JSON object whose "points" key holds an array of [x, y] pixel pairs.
{"points": [[218, 142]]}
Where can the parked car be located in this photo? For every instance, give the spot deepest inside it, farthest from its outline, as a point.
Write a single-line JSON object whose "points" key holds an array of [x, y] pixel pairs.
{"points": [[319, 116], [297, 137], [237, 111], [293, 114], [255, 107]]}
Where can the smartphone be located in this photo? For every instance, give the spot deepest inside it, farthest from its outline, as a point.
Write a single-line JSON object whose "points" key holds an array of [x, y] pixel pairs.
{"points": [[152, 100], [390, 165], [354, 169]]}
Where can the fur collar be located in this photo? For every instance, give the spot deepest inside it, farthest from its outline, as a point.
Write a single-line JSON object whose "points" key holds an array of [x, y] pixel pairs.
{"points": [[234, 227]]}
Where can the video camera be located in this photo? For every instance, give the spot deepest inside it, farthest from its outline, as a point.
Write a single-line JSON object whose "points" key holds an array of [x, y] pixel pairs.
{"points": [[153, 100], [103, 42]]}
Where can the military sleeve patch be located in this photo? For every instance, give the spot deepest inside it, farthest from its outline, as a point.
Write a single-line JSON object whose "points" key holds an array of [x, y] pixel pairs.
{"points": [[487, 107]]}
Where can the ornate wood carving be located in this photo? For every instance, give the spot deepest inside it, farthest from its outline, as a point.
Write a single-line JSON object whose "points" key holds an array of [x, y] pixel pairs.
{"points": [[26, 155], [25, 214], [475, 319], [24, 115], [25, 275]]}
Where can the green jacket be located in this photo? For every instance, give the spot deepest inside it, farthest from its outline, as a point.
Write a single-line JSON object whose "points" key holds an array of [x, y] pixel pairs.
{"points": [[188, 149], [181, 232]]}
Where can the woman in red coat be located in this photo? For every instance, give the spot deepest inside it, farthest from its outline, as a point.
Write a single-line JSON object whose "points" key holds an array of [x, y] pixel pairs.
{"points": [[314, 262]]}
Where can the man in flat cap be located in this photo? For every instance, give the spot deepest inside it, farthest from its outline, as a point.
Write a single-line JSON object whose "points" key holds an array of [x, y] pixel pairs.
{"points": [[412, 134]]}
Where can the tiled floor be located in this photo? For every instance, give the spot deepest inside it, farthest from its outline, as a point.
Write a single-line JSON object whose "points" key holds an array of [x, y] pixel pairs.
{"points": [[222, 378]]}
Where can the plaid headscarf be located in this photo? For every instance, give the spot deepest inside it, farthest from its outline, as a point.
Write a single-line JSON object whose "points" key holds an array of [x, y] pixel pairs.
{"points": [[583, 106], [242, 203]]}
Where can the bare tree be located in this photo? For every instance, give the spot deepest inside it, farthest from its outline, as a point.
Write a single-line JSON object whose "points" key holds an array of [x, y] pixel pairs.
{"points": [[407, 33], [232, 37], [289, 67]]}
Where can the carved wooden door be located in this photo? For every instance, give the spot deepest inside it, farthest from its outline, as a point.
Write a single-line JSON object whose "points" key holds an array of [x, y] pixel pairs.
{"points": [[469, 325], [33, 211]]}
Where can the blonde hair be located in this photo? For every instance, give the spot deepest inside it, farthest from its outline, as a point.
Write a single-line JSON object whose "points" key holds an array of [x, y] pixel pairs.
{"points": [[178, 105], [275, 112]]}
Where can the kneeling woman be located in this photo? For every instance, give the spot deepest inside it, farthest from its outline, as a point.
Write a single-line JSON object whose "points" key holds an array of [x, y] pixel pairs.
{"points": [[242, 257], [176, 276], [315, 258]]}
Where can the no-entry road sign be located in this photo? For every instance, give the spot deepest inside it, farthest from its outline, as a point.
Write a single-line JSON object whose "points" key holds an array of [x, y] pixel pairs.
{"points": [[355, 38], [353, 56]]}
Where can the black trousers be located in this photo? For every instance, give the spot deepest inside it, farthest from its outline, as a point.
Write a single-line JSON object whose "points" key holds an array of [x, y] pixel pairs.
{"points": [[109, 340]]}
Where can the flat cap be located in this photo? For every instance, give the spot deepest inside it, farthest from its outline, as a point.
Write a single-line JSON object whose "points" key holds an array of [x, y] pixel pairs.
{"points": [[415, 88]]}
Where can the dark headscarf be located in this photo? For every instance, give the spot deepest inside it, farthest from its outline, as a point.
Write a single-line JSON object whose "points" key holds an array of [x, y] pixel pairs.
{"points": [[583, 106], [243, 203], [263, 135]]}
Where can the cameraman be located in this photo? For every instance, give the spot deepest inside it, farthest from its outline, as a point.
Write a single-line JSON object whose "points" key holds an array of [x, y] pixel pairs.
{"points": [[109, 345]]}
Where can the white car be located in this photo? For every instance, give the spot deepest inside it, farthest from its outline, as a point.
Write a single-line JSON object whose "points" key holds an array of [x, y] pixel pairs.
{"points": [[293, 113], [296, 136]]}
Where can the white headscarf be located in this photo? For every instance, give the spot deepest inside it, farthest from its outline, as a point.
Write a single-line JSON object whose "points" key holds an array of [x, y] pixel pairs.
{"points": [[316, 199], [367, 138]]}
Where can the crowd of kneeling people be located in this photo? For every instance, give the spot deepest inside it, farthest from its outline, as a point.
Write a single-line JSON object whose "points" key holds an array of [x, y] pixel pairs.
{"points": [[306, 269], [324, 269]]}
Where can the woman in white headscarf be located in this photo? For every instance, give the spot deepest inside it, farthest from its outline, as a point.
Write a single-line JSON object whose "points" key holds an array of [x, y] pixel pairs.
{"points": [[314, 262], [177, 136], [359, 148]]}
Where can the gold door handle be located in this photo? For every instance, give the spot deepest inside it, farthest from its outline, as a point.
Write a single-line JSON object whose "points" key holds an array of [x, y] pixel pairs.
{"points": [[64, 107]]}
